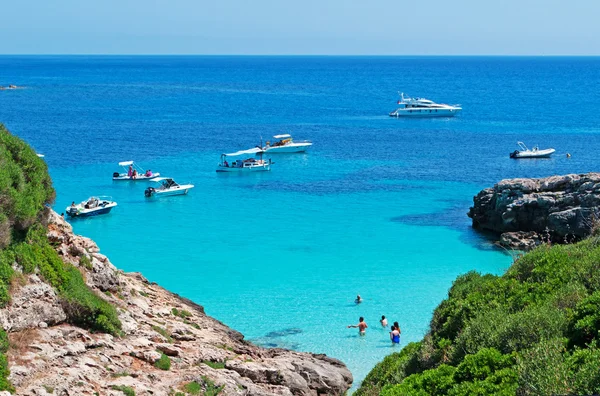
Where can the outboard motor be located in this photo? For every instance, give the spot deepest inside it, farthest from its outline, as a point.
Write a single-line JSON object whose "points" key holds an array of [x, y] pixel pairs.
{"points": [[116, 174], [514, 154], [149, 191]]}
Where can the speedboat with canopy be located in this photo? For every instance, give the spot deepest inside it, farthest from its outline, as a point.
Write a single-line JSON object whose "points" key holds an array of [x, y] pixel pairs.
{"points": [[253, 163], [284, 143], [133, 172], [421, 107], [535, 152], [92, 206], [167, 187]]}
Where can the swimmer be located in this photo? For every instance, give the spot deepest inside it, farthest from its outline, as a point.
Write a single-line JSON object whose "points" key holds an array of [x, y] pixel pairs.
{"points": [[358, 299], [362, 326], [383, 321], [568, 155], [395, 335]]}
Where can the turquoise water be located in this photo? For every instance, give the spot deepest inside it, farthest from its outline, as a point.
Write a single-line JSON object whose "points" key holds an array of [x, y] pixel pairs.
{"points": [[377, 207]]}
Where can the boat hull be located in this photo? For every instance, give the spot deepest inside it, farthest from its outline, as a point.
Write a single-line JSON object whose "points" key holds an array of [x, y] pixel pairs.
{"points": [[182, 190], [89, 212], [245, 169], [425, 113], [538, 154], [291, 148], [124, 177]]}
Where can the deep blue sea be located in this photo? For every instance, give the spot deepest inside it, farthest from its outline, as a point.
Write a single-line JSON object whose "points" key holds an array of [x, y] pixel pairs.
{"points": [[377, 207]]}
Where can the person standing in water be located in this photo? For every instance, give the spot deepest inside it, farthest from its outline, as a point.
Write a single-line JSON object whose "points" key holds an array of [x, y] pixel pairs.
{"points": [[395, 335], [362, 326], [383, 321], [397, 326], [358, 299]]}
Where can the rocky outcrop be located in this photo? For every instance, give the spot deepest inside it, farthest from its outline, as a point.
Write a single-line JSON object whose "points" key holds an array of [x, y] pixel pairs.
{"points": [[48, 356], [527, 212]]}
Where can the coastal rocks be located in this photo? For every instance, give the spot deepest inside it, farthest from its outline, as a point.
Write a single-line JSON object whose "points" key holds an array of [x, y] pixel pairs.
{"points": [[528, 212], [49, 356]]}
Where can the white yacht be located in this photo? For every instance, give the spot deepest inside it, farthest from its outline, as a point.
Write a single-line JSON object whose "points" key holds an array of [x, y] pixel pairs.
{"points": [[421, 107], [167, 187], [285, 144], [133, 172], [535, 152], [250, 164]]}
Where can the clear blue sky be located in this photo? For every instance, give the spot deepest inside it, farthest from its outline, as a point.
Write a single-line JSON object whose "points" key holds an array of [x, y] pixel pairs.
{"points": [[395, 27]]}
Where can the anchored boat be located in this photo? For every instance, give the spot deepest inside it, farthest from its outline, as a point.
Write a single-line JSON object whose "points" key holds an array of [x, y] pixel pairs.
{"points": [[167, 187], [133, 172], [535, 152], [421, 107], [92, 206], [250, 164], [286, 144]]}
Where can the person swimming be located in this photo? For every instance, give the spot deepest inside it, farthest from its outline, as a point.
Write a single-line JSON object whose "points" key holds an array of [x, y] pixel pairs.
{"points": [[395, 335], [358, 299], [383, 321], [362, 326]]}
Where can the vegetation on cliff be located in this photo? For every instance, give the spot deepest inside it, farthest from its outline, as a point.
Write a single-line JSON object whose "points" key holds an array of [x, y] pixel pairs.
{"points": [[534, 330], [25, 190]]}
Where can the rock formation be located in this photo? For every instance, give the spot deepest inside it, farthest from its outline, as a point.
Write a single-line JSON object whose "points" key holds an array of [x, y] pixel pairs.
{"points": [[48, 356], [527, 212]]}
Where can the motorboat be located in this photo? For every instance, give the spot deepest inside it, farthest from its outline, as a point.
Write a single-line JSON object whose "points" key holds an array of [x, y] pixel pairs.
{"points": [[40, 155], [535, 152], [421, 107], [133, 172], [92, 206], [167, 187], [286, 144], [253, 163]]}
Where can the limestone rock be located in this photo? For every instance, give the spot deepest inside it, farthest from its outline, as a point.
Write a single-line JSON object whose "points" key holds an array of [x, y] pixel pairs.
{"points": [[527, 212]]}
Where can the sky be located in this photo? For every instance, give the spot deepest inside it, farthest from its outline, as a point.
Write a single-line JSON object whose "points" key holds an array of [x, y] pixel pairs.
{"points": [[305, 27]]}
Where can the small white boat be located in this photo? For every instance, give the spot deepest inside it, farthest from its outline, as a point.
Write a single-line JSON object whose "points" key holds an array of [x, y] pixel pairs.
{"points": [[285, 144], [250, 164], [92, 206], [421, 107], [40, 155], [167, 187], [524, 152], [133, 172]]}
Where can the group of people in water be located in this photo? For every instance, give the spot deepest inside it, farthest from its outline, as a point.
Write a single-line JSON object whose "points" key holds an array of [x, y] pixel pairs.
{"points": [[362, 325]]}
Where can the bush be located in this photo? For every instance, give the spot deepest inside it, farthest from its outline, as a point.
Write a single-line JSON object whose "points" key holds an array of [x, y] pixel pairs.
{"points": [[585, 326], [128, 391], [164, 363], [193, 388]]}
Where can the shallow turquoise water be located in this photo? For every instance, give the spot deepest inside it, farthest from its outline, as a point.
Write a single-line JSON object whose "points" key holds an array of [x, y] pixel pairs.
{"points": [[378, 207]]}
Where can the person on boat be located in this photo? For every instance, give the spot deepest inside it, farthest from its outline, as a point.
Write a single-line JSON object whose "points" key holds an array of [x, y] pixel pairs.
{"points": [[383, 321], [130, 171], [148, 173], [362, 326], [134, 174], [226, 164], [395, 335], [358, 299]]}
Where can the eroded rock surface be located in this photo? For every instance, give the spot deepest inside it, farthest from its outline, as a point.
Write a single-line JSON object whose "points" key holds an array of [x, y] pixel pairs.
{"points": [[48, 356], [527, 212]]}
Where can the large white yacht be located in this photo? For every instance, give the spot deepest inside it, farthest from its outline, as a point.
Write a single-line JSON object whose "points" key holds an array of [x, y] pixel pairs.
{"points": [[421, 107]]}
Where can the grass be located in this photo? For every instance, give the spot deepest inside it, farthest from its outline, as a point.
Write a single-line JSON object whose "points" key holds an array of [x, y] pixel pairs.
{"points": [[193, 388], [215, 365], [85, 262], [48, 389], [181, 313], [164, 363], [211, 388], [121, 374], [143, 293], [127, 390], [163, 333]]}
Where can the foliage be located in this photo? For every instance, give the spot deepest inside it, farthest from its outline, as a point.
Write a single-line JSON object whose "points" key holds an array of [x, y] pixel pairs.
{"points": [[164, 363], [127, 390], [163, 333], [182, 313], [534, 330], [215, 365], [210, 388], [193, 388]]}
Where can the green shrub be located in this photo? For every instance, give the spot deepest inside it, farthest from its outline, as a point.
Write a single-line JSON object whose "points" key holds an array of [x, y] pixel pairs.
{"points": [[585, 325], [210, 388], [164, 363], [163, 333], [127, 390], [215, 365], [193, 388], [181, 313]]}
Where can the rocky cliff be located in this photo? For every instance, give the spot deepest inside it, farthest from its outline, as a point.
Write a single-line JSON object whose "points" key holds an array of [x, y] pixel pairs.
{"points": [[527, 212], [168, 345]]}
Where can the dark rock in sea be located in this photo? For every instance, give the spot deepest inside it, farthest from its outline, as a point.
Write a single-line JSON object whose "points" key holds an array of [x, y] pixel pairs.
{"points": [[283, 333], [527, 212]]}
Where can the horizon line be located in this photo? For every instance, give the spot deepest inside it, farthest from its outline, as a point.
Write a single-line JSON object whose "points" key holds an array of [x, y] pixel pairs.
{"points": [[324, 55]]}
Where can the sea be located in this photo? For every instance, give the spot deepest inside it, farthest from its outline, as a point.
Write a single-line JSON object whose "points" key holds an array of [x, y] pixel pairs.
{"points": [[377, 207]]}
